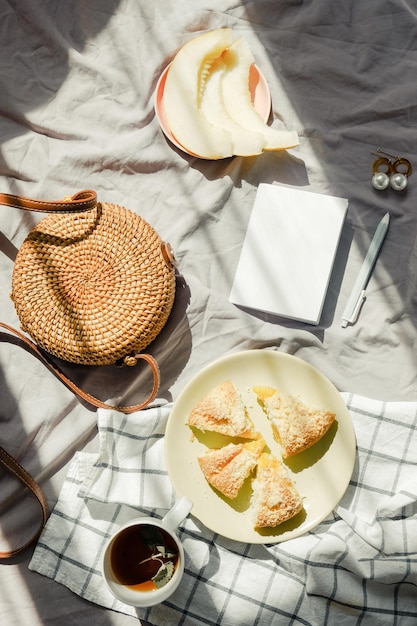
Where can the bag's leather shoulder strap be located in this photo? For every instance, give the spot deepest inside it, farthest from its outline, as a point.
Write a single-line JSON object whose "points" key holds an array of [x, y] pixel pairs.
{"points": [[15, 468], [81, 201], [87, 397]]}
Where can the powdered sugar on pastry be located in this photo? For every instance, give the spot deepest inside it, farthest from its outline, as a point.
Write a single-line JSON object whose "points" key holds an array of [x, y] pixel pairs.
{"points": [[297, 426], [275, 499], [227, 468], [222, 411]]}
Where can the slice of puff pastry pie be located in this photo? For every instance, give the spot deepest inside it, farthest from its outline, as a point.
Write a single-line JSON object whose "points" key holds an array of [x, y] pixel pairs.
{"points": [[227, 468], [296, 425], [275, 499], [223, 411]]}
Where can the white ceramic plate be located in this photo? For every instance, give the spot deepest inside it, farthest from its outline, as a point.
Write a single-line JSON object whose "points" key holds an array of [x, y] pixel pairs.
{"points": [[321, 474], [258, 87]]}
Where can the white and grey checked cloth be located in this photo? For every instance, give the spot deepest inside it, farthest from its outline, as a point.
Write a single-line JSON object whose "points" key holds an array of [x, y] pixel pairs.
{"points": [[359, 566]]}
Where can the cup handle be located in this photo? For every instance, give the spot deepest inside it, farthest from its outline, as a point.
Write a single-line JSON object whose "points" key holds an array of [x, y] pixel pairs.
{"points": [[178, 513]]}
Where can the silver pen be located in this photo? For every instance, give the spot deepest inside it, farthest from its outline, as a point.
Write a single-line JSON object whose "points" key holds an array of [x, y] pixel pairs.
{"points": [[353, 306]]}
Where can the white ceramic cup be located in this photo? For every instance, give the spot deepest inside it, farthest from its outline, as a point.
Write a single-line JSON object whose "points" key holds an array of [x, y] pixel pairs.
{"points": [[131, 594]]}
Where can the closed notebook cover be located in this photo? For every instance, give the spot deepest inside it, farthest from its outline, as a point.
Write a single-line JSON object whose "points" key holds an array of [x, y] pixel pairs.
{"points": [[288, 252]]}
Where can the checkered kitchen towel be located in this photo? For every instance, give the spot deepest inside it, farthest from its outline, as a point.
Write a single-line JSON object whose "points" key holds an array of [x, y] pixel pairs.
{"points": [[358, 566]]}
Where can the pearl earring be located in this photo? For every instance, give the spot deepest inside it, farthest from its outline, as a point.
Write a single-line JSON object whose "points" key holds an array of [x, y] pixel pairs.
{"points": [[381, 178], [399, 179], [396, 173]]}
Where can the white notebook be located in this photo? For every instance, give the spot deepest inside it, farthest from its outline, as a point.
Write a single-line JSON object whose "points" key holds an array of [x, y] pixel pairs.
{"points": [[288, 252]]}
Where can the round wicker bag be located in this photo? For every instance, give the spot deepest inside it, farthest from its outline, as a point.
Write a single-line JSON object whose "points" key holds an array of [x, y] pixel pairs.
{"points": [[93, 287], [93, 283]]}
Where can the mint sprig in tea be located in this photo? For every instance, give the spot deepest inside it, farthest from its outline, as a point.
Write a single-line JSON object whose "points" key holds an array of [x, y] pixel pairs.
{"points": [[144, 557]]}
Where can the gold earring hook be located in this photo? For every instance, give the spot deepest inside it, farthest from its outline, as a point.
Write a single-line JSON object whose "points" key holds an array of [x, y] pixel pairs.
{"points": [[379, 151]]}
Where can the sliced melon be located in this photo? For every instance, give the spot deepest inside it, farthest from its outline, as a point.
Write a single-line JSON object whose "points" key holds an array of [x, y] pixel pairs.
{"points": [[244, 142], [237, 99], [182, 96], [208, 104]]}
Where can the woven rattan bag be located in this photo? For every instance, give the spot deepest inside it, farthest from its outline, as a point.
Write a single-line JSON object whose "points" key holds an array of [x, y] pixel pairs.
{"points": [[93, 283]]}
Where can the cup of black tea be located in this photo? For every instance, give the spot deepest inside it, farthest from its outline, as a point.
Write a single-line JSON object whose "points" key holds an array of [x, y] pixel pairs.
{"points": [[143, 561]]}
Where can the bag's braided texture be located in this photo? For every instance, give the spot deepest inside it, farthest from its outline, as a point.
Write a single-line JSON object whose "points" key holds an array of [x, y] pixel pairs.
{"points": [[94, 287]]}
